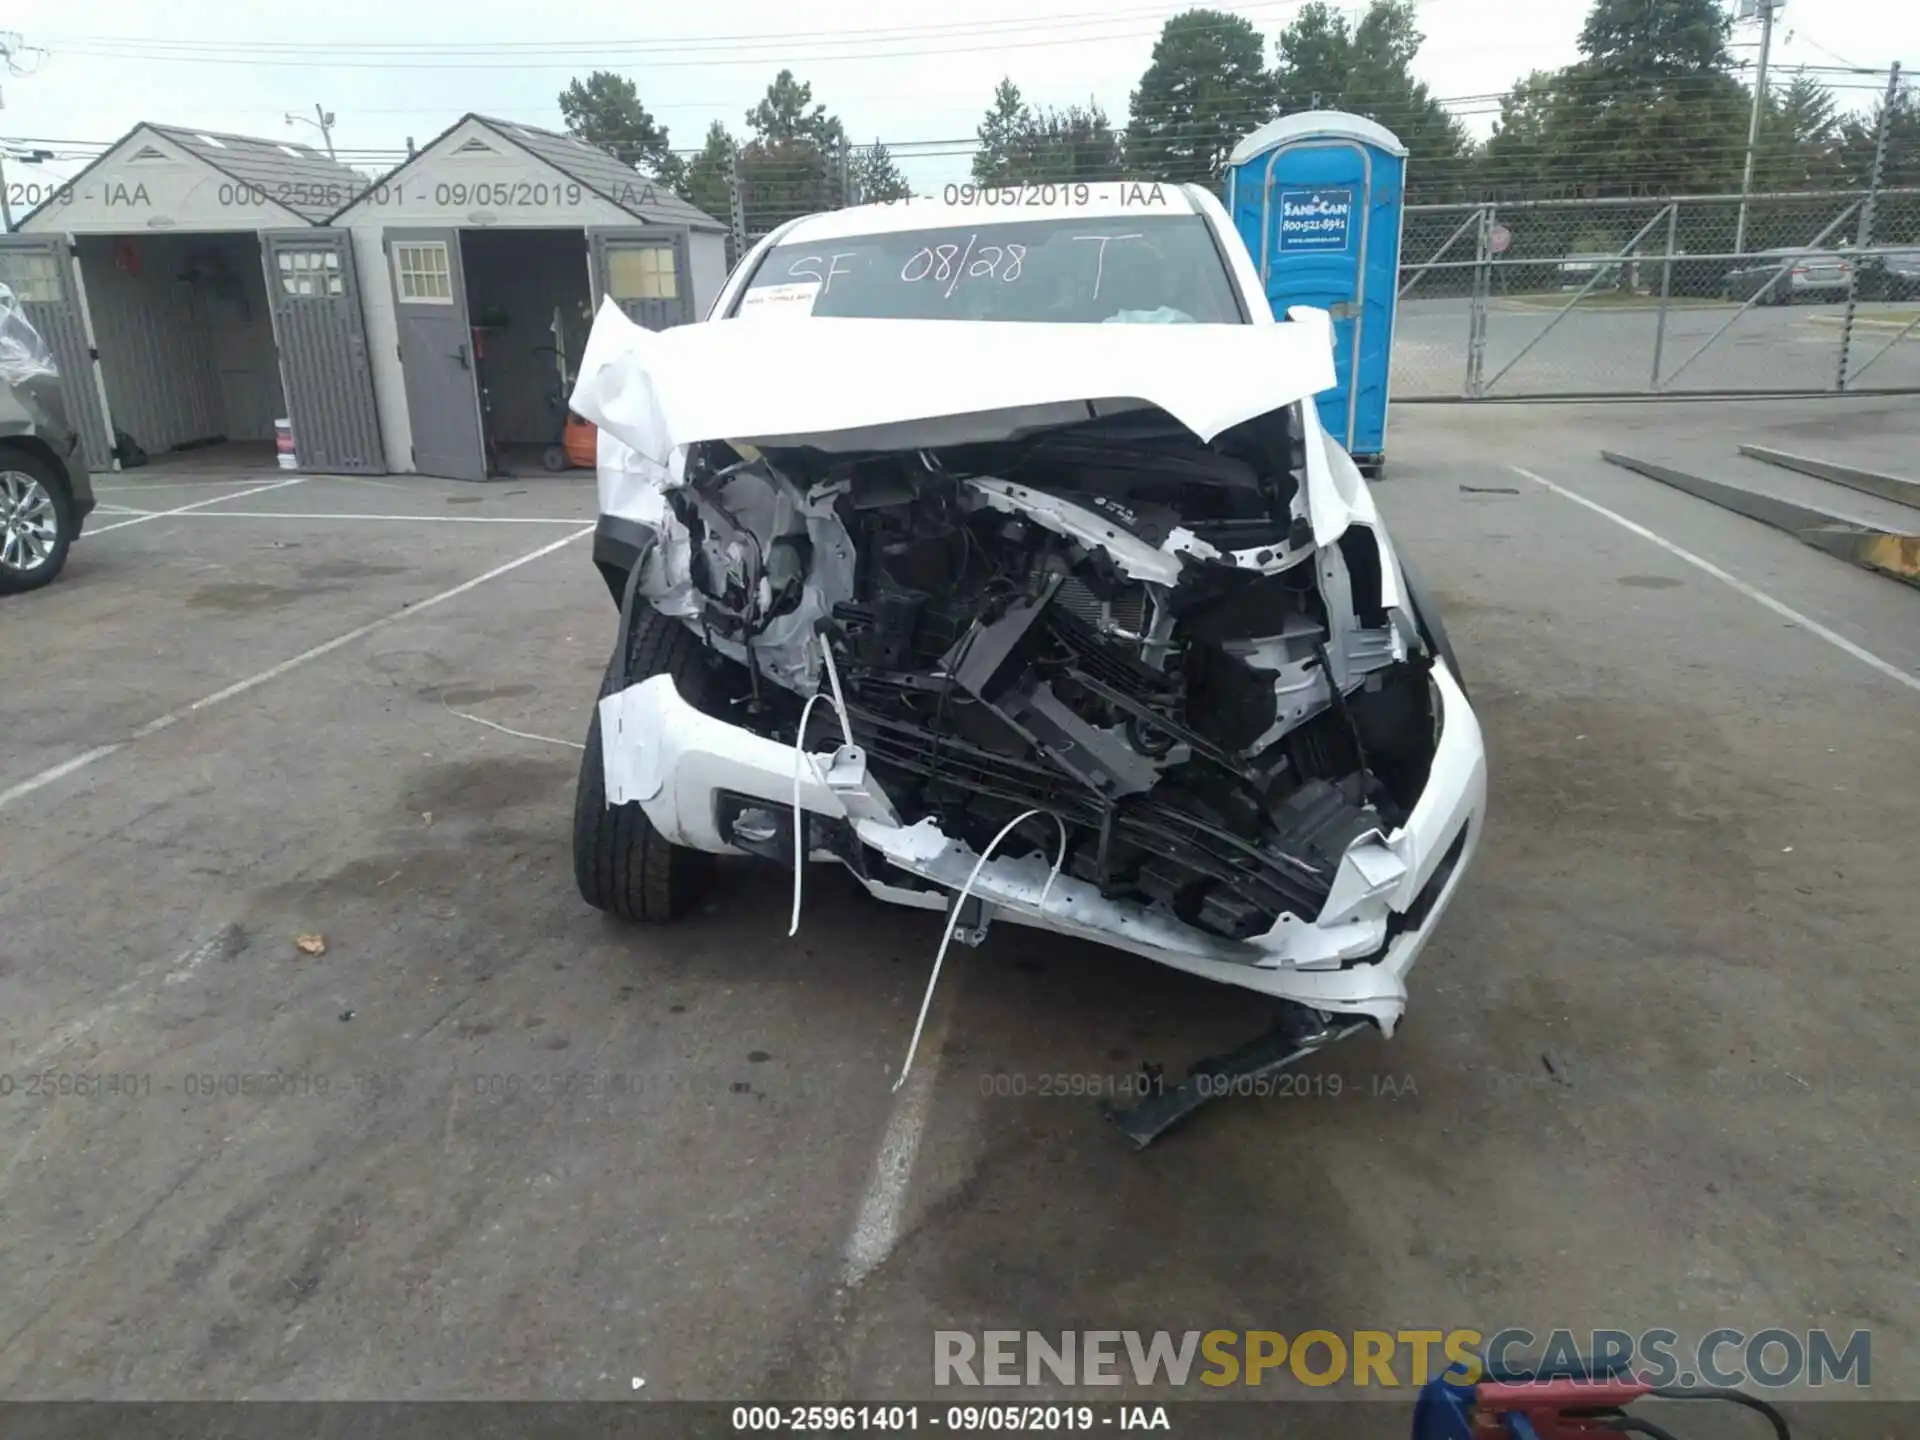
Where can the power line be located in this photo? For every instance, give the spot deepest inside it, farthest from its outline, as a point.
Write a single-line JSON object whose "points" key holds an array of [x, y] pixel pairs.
{"points": [[194, 53], [1797, 33], [675, 44]]}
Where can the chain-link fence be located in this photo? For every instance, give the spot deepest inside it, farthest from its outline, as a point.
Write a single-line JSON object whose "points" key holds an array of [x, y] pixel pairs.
{"points": [[1709, 293]]}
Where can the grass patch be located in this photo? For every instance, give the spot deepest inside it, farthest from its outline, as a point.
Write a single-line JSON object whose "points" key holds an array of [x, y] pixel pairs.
{"points": [[1870, 316], [1614, 300]]}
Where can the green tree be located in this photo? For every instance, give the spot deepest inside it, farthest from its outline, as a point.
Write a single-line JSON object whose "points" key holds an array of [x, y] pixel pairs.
{"points": [[1206, 86], [1026, 144], [1641, 43], [1800, 137], [605, 110], [794, 163], [1006, 119], [875, 177], [1367, 69], [1652, 106], [1854, 159], [1520, 154], [705, 181], [786, 113]]}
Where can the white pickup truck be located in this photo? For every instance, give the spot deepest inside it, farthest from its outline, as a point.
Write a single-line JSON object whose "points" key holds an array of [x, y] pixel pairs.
{"points": [[993, 549]]}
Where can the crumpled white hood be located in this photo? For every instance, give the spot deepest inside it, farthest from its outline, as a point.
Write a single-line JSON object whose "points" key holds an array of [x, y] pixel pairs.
{"points": [[850, 384]]}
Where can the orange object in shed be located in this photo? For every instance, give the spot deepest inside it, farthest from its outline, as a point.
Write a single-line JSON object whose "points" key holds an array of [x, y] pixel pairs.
{"points": [[581, 441]]}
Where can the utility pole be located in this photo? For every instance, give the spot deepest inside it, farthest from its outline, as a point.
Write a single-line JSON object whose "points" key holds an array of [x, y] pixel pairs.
{"points": [[1745, 12], [323, 119], [10, 46]]}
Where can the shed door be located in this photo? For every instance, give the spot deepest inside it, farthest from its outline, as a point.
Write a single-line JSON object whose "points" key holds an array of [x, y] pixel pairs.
{"points": [[646, 271], [436, 352], [1317, 202], [320, 331], [44, 275]]}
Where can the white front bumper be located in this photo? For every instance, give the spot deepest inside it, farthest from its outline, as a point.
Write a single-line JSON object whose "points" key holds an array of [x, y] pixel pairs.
{"points": [[674, 761]]}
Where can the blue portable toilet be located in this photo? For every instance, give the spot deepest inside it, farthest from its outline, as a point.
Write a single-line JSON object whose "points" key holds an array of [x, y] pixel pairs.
{"points": [[1317, 197]]}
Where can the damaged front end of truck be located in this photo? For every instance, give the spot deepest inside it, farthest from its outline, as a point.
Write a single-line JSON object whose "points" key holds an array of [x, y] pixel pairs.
{"points": [[1074, 667]]}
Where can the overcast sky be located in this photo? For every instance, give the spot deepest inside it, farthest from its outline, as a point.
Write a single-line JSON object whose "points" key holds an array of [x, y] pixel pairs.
{"points": [[899, 73]]}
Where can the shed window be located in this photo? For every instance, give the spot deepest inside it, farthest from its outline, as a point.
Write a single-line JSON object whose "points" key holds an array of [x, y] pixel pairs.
{"points": [[32, 277], [310, 272], [642, 272], [421, 275]]}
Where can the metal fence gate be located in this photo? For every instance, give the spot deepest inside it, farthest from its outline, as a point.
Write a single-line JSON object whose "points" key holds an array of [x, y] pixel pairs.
{"points": [[1553, 298]]}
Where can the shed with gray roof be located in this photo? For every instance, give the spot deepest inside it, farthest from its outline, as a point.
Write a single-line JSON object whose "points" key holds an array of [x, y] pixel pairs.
{"points": [[484, 257], [192, 295]]}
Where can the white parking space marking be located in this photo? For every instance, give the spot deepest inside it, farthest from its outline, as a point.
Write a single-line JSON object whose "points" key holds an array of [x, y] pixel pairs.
{"points": [[152, 727], [883, 1206], [429, 519], [1759, 597], [137, 489], [64, 768], [188, 509]]}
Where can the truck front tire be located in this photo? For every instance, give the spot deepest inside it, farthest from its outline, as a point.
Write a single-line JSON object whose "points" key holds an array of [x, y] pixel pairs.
{"points": [[620, 862]]}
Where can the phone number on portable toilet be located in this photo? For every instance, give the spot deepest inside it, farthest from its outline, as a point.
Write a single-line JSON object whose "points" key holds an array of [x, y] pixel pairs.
{"points": [[1315, 219]]}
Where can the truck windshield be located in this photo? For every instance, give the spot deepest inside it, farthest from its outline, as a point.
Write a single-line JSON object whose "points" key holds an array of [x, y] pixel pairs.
{"points": [[1161, 269]]}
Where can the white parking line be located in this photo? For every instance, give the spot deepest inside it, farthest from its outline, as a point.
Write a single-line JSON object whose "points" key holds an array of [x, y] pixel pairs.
{"points": [[188, 509], [1759, 597], [153, 727], [431, 519], [136, 489], [883, 1206]]}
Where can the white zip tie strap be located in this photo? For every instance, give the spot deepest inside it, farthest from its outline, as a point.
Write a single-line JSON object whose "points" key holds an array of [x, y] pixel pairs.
{"points": [[953, 919], [800, 757]]}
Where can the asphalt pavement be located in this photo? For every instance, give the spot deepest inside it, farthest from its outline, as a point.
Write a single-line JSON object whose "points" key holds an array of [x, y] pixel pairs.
{"points": [[1657, 1069]]}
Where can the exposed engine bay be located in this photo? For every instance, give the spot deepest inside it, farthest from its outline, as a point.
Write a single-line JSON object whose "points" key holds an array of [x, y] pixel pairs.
{"points": [[1109, 623]]}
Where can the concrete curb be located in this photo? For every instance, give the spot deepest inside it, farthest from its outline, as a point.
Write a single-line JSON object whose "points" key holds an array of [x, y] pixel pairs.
{"points": [[1868, 482], [1885, 552]]}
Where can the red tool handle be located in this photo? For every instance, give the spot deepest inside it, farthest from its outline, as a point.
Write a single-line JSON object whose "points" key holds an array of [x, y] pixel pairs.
{"points": [[1545, 1403]]}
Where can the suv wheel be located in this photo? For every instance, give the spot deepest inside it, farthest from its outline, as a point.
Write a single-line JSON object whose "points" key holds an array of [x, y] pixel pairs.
{"points": [[620, 862], [37, 522]]}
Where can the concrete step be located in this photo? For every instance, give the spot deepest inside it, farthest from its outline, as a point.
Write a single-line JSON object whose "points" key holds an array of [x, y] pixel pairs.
{"points": [[1889, 547], [1896, 488]]}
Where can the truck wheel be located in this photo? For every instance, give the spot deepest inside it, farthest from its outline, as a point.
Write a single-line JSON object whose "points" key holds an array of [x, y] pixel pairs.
{"points": [[1427, 616], [37, 522], [620, 862]]}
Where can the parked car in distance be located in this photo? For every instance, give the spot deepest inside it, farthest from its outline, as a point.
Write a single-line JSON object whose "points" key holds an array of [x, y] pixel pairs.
{"points": [[1894, 276], [1812, 275], [45, 492], [1576, 270]]}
